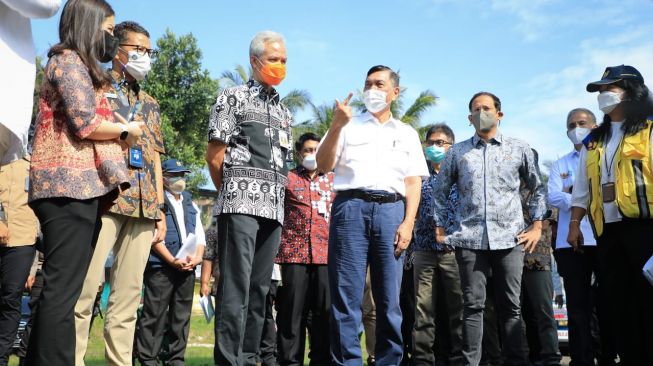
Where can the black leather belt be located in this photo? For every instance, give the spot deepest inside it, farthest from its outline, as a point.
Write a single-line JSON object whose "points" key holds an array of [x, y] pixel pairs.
{"points": [[371, 197]]}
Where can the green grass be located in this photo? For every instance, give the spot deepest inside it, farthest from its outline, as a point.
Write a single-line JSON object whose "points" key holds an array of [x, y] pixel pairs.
{"points": [[198, 353]]}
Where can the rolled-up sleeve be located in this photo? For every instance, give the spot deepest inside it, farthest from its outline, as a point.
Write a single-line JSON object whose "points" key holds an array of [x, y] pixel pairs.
{"points": [[580, 196]]}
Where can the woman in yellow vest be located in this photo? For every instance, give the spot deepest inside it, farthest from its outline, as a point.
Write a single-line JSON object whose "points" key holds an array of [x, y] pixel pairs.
{"points": [[614, 187]]}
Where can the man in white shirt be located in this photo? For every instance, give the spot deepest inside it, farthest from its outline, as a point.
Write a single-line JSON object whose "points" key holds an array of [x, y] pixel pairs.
{"points": [[169, 277], [378, 164], [18, 71], [577, 266]]}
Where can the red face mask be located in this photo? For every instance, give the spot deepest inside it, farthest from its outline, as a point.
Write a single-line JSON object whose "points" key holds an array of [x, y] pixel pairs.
{"points": [[272, 74]]}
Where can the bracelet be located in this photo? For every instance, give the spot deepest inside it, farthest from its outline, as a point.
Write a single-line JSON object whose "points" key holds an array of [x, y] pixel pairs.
{"points": [[578, 221]]}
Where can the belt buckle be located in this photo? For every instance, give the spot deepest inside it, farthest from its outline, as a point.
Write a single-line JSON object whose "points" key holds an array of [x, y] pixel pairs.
{"points": [[376, 198]]}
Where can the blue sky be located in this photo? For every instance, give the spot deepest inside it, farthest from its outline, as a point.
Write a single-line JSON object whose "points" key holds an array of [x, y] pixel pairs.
{"points": [[536, 55]]}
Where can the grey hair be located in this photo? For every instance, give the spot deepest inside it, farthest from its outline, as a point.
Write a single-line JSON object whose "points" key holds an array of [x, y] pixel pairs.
{"points": [[257, 46], [580, 110]]}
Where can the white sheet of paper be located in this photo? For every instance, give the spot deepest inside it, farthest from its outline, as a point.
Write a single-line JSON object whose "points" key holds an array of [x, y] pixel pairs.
{"points": [[207, 307], [188, 248], [648, 270]]}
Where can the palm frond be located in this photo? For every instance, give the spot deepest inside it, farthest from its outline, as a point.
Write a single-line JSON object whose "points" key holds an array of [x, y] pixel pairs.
{"points": [[424, 101], [296, 99]]}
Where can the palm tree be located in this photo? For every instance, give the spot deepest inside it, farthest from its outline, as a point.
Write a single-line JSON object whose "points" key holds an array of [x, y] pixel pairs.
{"points": [[295, 100]]}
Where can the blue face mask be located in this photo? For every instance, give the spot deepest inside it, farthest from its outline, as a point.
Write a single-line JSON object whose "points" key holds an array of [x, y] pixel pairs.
{"points": [[435, 153]]}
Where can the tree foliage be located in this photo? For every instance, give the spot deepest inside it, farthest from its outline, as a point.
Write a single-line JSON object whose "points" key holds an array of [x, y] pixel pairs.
{"points": [[185, 92]]}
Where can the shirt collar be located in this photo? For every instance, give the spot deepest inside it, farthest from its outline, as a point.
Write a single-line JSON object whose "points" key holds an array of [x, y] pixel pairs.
{"points": [[257, 89], [172, 197], [498, 139], [120, 80], [369, 117], [304, 172]]}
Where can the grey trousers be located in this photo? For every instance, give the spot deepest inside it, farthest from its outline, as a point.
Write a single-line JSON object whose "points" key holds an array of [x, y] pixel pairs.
{"points": [[505, 267], [246, 253], [430, 267]]}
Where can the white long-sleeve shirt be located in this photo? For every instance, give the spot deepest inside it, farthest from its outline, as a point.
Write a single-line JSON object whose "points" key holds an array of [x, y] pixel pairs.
{"points": [[581, 194], [561, 177], [17, 67]]}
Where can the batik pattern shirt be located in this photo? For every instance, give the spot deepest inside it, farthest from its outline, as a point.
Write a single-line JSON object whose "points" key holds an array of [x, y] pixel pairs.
{"points": [[256, 127], [488, 178], [424, 238], [65, 162], [141, 200], [305, 234]]}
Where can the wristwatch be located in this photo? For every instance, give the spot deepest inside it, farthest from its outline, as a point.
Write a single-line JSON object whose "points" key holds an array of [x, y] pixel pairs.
{"points": [[124, 133]]}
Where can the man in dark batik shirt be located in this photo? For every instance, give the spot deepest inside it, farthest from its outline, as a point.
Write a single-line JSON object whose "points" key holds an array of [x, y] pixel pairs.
{"points": [[134, 223], [249, 143]]}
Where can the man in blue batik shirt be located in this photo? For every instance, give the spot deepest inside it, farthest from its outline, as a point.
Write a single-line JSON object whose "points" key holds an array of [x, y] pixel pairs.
{"points": [[489, 231], [435, 264]]}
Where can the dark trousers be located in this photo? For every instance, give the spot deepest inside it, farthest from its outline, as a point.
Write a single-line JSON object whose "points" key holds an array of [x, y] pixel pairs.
{"points": [[34, 295], [70, 230], [269, 335], [505, 267], [246, 253], [537, 311], [491, 343], [624, 247], [15, 263], [407, 304], [304, 289], [360, 233], [167, 304], [583, 300]]}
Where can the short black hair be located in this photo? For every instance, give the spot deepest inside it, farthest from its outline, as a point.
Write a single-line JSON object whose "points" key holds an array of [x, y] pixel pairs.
{"points": [[122, 29], [497, 101], [393, 75], [308, 136], [441, 127]]}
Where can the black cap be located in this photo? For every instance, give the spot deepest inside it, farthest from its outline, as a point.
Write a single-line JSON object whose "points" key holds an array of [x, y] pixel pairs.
{"points": [[613, 74], [173, 166]]}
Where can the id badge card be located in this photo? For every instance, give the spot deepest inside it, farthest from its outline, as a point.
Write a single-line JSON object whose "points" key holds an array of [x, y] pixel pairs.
{"points": [[608, 191], [283, 139], [135, 157]]}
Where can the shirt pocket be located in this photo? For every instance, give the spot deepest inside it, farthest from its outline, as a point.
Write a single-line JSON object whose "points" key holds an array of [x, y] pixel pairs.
{"points": [[359, 148], [397, 157]]}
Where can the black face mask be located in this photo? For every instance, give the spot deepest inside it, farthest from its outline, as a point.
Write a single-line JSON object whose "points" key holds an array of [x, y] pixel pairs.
{"points": [[110, 49]]}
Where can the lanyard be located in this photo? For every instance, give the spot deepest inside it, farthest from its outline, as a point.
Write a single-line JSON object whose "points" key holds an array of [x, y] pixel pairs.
{"points": [[608, 168], [125, 102]]}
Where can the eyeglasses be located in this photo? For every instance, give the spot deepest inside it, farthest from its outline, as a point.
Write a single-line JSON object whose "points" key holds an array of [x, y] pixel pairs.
{"points": [[438, 143], [141, 51]]}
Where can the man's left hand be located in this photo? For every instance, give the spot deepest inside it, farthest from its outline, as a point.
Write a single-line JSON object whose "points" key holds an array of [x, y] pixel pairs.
{"points": [[159, 232], [4, 234], [530, 237], [402, 237]]}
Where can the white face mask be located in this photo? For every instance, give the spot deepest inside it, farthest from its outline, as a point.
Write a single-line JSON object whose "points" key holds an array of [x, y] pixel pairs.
{"points": [[608, 101], [374, 100], [309, 162], [138, 66], [578, 134]]}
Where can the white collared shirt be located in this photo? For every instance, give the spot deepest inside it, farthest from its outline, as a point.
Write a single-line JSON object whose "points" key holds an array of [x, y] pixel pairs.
{"points": [[561, 176], [376, 156], [178, 209]]}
